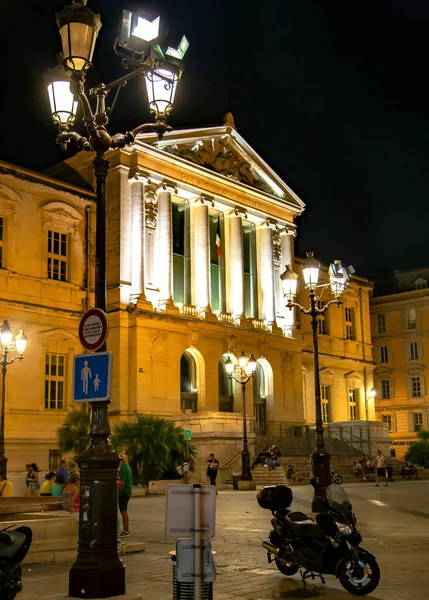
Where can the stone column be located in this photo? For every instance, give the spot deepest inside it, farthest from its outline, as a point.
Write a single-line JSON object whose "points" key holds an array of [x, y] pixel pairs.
{"points": [[234, 263], [137, 245], [200, 254], [164, 263], [287, 258], [264, 247]]}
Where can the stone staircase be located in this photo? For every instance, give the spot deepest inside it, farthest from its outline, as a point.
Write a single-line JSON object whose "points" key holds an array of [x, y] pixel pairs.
{"points": [[263, 476]]}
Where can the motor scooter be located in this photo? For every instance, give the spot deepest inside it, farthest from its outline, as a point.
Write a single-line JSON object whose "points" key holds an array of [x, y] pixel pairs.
{"points": [[14, 545]]}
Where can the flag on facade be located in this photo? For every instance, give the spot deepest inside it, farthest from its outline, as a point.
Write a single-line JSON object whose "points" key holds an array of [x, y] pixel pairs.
{"points": [[218, 237]]}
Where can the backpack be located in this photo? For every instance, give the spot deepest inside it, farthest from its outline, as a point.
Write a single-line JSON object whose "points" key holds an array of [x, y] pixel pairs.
{"points": [[180, 471]]}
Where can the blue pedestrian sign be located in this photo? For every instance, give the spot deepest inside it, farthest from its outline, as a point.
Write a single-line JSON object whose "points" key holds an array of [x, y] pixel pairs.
{"points": [[92, 374]]}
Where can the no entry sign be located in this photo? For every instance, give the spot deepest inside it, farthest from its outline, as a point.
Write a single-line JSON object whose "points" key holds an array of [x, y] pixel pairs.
{"points": [[93, 329]]}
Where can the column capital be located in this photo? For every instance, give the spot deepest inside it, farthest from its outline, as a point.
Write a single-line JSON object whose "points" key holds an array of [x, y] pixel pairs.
{"points": [[237, 212], [268, 223], [288, 229], [205, 199], [168, 186]]}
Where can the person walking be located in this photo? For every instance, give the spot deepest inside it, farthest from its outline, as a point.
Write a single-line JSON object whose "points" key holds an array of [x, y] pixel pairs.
{"points": [[33, 485], [380, 463], [212, 468], [63, 469], [125, 489]]}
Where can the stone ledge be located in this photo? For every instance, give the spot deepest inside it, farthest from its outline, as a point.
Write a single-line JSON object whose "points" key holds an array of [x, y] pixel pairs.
{"points": [[246, 485]]}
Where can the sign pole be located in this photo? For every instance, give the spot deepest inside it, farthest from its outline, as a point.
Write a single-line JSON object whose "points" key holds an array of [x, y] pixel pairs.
{"points": [[198, 572]]}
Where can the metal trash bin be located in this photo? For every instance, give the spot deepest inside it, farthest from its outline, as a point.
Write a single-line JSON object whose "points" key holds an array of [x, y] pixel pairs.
{"points": [[185, 591], [235, 480]]}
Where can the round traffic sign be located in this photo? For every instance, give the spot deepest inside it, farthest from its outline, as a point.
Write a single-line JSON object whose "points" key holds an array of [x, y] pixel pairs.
{"points": [[93, 329]]}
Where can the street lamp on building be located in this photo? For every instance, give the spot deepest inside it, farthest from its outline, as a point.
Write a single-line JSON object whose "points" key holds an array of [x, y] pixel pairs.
{"points": [[339, 279], [242, 374], [12, 348], [98, 572]]}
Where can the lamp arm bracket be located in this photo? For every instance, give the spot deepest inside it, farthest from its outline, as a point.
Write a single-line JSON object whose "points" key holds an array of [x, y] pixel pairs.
{"points": [[77, 89], [64, 137], [121, 82], [337, 301], [5, 362], [159, 127]]}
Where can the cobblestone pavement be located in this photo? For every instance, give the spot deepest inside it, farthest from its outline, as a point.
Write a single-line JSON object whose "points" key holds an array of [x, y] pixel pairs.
{"points": [[394, 523]]}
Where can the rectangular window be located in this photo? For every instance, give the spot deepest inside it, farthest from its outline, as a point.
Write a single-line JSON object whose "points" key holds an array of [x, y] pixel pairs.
{"points": [[57, 255], [413, 353], [384, 355], [348, 312], [181, 253], [321, 318], [1, 241], [324, 393], [381, 323], [353, 397], [54, 459], [217, 261], [420, 286], [416, 387], [418, 421], [54, 381], [385, 389], [411, 318], [388, 420], [250, 280]]}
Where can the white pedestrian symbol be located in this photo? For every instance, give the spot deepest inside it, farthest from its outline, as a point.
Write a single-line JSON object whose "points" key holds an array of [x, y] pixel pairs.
{"points": [[85, 376], [96, 382]]}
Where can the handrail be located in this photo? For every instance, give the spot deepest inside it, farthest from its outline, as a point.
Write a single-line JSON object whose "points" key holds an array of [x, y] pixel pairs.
{"points": [[232, 460]]}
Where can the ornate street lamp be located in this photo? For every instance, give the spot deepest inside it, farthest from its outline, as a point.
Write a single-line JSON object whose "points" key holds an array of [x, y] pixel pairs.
{"points": [[339, 279], [98, 572], [9, 345], [242, 373]]}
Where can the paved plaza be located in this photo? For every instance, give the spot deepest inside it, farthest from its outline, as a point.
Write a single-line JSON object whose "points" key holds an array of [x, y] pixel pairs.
{"points": [[394, 523]]}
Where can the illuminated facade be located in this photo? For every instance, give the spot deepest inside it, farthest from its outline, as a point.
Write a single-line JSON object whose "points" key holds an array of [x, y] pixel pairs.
{"points": [[400, 324], [199, 230]]}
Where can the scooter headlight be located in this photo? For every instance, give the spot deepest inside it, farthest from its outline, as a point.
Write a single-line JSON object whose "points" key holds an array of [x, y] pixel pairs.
{"points": [[343, 528]]}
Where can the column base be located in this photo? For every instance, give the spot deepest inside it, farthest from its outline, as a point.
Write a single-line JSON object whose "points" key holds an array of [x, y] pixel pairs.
{"points": [[143, 303], [168, 307], [102, 580], [208, 315], [245, 485]]}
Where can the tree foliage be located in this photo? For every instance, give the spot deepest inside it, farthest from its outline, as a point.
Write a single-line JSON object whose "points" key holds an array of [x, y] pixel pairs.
{"points": [[418, 452], [154, 447], [73, 435]]}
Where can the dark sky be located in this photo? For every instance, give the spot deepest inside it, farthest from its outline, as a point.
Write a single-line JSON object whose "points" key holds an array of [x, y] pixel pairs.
{"points": [[332, 93]]}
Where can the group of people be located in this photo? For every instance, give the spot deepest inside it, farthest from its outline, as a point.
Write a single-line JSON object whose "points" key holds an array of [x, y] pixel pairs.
{"points": [[268, 457]]}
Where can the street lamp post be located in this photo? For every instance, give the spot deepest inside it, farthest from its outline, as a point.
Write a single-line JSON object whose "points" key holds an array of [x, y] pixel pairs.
{"points": [[98, 572], [9, 345], [339, 279], [245, 372]]}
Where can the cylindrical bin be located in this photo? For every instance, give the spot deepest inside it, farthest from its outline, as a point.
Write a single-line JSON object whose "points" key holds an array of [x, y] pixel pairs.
{"points": [[235, 480], [185, 591]]}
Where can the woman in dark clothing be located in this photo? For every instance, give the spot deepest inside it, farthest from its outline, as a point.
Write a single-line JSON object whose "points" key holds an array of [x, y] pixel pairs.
{"points": [[212, 468]]}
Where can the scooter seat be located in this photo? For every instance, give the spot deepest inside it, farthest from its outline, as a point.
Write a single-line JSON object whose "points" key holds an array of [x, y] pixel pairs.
{"points": [[307, 529], [6, 550], [299, 516]]}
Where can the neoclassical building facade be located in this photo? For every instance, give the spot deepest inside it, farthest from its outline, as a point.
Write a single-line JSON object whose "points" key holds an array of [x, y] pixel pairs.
{"points": [[400, 323], [199, 230]]}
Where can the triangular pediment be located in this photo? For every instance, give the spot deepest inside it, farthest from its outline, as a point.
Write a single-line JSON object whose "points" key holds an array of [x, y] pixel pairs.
{"points": [[59, 334], [223, 150]]}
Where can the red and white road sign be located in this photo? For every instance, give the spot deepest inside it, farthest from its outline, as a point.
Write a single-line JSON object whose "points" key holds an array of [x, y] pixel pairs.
{"points": [[93, 329]]}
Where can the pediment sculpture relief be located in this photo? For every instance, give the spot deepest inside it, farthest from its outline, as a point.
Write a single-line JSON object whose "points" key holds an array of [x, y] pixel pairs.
{"points": [[216, 154]]}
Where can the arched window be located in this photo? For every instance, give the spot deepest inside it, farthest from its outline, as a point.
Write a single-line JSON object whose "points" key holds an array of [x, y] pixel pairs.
{"points": [[260, 393], [188, 383], [226, 393]]}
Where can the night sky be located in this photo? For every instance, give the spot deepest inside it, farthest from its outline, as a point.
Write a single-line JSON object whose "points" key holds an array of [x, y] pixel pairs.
{"points": [[333, 94]]}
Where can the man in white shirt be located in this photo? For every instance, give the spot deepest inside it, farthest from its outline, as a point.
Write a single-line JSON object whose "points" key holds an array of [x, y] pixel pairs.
{"points": [[380, 463]]}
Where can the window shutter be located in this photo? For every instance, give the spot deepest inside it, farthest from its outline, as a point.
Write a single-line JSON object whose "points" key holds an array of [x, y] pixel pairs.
{"points": [[407, 351], [422, 385], [420, 349], [417, 318], [405, 319]]}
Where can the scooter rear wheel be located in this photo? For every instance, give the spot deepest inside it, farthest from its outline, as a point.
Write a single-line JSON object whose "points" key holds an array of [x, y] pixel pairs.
{"points": [[286, 568], [359, 586]]}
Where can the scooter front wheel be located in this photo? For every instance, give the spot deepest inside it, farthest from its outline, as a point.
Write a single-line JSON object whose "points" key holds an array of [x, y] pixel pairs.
{"points": [[359, 585], [286, 568]]}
